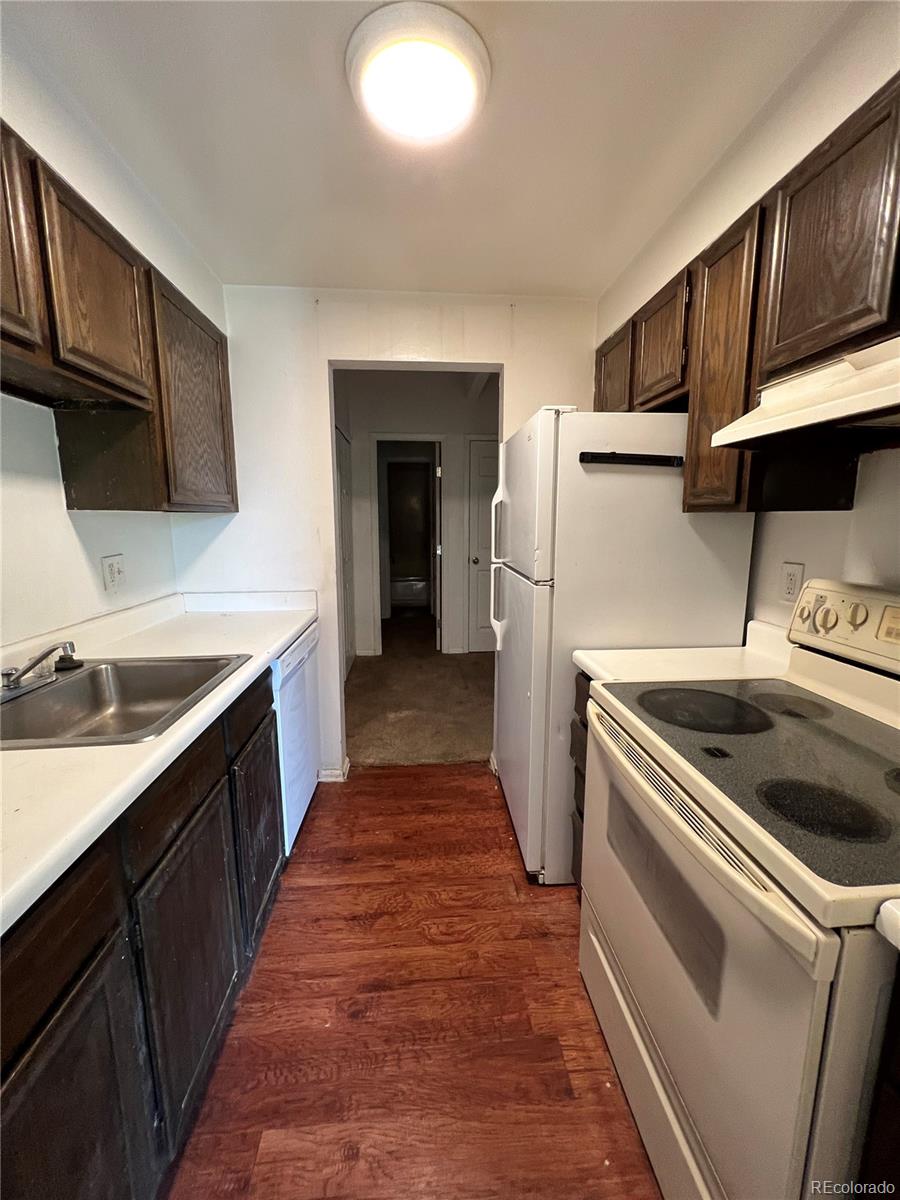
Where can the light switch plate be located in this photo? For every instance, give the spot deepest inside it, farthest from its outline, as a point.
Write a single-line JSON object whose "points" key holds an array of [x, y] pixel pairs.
{"points": [[791, 580], [112, 567]]}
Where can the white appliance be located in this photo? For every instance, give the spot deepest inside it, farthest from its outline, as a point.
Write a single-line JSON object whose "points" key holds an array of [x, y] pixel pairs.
{"points": [[590, 547], [297, 711], [861, 388], [742, 837]]}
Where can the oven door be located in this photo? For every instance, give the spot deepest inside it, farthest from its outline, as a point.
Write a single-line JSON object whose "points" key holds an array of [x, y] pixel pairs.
{"points": [[714, 985]]}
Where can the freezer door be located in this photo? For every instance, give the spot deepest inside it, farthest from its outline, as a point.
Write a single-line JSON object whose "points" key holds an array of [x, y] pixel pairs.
{"points": [[524, 510], [524, 612]]}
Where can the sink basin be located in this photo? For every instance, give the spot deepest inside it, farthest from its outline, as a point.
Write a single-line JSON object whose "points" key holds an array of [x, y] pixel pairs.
{"points": [[111, 702]]}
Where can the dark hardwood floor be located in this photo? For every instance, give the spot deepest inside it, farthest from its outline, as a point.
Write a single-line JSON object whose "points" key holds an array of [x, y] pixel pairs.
{"points": [[415, 1027]]}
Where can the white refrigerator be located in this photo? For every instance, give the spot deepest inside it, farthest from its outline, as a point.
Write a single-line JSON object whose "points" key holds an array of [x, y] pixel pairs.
{"points": [[590, 549]]}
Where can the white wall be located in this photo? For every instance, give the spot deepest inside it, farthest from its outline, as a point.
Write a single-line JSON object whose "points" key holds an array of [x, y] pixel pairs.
{"points": [[852, 62], [437, 403], [282, 341], [50, 557], [862, 546]]}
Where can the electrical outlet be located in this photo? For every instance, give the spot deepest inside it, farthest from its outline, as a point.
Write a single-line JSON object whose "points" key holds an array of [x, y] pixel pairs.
{"points": [[791, 580], [112, 567]]}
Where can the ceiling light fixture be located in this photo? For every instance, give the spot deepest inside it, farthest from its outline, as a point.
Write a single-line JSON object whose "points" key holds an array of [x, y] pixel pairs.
{"points": [[418, 70]]}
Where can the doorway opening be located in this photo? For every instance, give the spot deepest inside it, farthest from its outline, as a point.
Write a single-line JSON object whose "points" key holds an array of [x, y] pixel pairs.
{"points": [[416, 455], [409, 501]]}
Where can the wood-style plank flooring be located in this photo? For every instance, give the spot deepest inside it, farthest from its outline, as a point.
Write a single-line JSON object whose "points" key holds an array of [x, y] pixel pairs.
{"points": [[415, 1027]]}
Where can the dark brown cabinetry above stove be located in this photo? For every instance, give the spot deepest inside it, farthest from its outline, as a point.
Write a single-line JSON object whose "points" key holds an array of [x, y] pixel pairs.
{"points": [[805, 275], [722, 319], [832, 244], [137, 376], [659, 374], [612, 371]]}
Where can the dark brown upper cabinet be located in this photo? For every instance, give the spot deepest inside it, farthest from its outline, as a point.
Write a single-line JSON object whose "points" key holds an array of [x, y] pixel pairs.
{"points": [[831, 252], [660, 345], [612, 371], [722, 316], [98, 288], [195, 403], [22, 311]]}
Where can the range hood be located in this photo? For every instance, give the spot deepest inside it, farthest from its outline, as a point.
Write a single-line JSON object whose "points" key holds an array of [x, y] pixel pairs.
{"points": [[862, 388]]}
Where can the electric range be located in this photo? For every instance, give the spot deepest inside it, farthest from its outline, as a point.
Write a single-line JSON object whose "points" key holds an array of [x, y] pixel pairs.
{"points": [[742, 838]]}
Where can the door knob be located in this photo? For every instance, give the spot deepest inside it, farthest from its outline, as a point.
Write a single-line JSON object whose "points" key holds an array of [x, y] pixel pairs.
{"points": [[475, 561]]}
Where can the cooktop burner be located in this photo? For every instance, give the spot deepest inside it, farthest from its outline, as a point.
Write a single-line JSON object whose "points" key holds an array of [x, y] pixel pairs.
{"points": [[819, 777], [825, 810], [709, 712]]}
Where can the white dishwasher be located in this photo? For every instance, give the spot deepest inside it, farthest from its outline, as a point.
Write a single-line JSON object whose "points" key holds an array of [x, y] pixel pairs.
{"points": [[297, 710]]}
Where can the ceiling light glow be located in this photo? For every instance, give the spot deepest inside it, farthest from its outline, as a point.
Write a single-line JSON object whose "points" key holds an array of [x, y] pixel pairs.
{"points": [[418, 70]]}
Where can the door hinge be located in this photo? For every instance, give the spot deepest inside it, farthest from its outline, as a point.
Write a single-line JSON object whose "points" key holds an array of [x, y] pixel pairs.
{"points": [[138, 936], [437, 471], [437, 550], [687, 293], [684, 356]]}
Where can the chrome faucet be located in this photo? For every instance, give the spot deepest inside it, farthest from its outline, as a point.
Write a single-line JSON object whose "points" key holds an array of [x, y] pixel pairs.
{"points": [[13, 676]]}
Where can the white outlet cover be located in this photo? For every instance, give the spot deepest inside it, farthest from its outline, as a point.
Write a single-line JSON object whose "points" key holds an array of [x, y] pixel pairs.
{"points": [[791, 580], [112, 568]]}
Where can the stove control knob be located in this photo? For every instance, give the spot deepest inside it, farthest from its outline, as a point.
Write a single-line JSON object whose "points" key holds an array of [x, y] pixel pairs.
{"points": [[804, 612], [858, 615], [826, 619]]}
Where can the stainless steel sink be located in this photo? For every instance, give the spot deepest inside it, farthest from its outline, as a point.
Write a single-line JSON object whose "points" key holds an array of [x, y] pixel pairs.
{"points": [[111, 702]]}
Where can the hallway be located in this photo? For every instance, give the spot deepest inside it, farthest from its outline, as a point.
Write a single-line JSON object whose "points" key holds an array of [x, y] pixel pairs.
{"points": [[415, 1025], [412, 704]]}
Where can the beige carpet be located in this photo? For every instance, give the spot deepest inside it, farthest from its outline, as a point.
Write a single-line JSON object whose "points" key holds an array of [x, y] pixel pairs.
{"points": [[412, 704]]}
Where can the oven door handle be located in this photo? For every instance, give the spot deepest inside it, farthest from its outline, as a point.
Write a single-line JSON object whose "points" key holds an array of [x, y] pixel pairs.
{"points": [[815, 950]]}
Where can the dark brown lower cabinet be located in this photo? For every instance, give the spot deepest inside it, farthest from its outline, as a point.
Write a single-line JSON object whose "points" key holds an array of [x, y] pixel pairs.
{"points": [[77, 1110], [188, 934], [117, 985], [256, 788]]}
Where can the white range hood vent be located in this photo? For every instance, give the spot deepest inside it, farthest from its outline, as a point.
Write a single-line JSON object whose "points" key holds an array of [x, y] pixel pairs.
{"points": [[860, 389]]}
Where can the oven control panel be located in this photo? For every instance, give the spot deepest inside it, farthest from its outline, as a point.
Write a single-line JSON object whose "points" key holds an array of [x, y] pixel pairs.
{"points": [[850, 621]]}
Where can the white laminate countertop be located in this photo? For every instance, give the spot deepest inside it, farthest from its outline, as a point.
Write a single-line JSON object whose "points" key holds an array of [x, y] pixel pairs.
{"points": [[56, 802], [765, 654]]}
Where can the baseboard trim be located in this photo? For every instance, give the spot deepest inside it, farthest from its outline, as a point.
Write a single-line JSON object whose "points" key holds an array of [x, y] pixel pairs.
{"points": [[335, 774]]}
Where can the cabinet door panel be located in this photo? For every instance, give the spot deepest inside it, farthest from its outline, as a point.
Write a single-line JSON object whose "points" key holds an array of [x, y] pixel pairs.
{"points": [[660, 346], [721, 353], [187, 911], [77, 1111], [257, 805], [196, 403], [98, 291], [612, 374], [21, 306], [834, 245]]}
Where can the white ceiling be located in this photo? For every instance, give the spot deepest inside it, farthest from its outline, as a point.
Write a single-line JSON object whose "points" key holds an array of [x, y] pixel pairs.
{"points": [[600, 119]]}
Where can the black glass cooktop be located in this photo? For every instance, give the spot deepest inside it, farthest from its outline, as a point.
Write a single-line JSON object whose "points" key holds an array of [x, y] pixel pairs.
{"points": [[821, 778]]}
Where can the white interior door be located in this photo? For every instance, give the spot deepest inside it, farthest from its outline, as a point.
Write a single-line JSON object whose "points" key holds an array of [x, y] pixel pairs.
{"points": [[345, 499], [482, 485]]}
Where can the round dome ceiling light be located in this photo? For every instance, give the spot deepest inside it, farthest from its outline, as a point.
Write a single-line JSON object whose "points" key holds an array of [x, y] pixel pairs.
{"points": [[418, 70]]}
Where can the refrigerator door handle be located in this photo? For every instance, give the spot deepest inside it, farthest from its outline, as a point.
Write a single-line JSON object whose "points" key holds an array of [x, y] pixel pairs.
{"points": [[496, 624], [495, 524]]}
